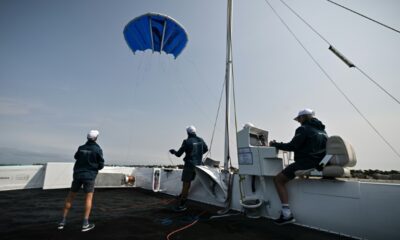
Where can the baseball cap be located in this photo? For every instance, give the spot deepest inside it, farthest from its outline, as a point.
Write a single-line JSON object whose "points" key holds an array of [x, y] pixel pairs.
{"points": [[93, 134], [191, 129], [305, 111]]}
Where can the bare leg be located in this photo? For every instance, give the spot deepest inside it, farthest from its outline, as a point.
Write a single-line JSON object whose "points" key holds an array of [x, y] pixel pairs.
{"points": [[88, 204], [185, 190], [68, 203], [280, 181]]}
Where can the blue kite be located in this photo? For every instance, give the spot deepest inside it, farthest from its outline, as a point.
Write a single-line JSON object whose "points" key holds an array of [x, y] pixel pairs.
{"points": [[157, 32]]}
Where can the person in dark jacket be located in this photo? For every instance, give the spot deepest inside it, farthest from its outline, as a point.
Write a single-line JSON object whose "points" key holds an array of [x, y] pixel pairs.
{"points": [[89, 160], [194, 147], [309, 147]]}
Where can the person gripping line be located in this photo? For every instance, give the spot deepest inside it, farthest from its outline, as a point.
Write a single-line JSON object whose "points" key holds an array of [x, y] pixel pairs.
{"points": [[194, 147]]}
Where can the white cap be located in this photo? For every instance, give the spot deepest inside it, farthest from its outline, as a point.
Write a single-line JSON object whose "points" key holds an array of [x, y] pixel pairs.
{"points": [[191, 129], [248, 125], [305, 111], [93, 134]]}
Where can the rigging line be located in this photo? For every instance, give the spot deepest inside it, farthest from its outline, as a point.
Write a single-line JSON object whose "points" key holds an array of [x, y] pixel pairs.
{"points": [[133, 89], [373, 20], [348, 63], [305, 22], [332, 81], [194, 65], [191, 97], [170, 159], [216, 119], [377, 84], [209, 89]]}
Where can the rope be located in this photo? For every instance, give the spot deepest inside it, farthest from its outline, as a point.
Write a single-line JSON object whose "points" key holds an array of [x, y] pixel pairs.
{"points": [[332, 81], [199, 73], [375, 21], [209, 90], [216, 119], [325, 40], [194, 101], [134, 88], [185, 227], [304, 21], [180, 219], [170, 159], [377, 84]]}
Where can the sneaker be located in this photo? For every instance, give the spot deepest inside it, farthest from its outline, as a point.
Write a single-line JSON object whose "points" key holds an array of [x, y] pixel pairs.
{"points": [[180, 208], [282, 220], [61, 225], [87, 227]]}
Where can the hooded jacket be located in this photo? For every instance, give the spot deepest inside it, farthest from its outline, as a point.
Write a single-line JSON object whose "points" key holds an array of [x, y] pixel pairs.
{"points": [[308, 144], [194, 147], [89, 160]]}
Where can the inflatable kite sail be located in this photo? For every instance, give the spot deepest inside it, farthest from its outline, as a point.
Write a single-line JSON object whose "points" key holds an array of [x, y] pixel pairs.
{"points": [[156, 32]]}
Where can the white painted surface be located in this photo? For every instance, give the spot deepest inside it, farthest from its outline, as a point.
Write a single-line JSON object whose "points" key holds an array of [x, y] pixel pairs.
{"points": [[58, 175], [21, 177], [379, 211], [212, 182], [144, 177], [123, 170]]}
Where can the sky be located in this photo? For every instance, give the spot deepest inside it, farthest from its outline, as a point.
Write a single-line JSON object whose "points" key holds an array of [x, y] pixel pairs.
{"points": [[65, 69]]}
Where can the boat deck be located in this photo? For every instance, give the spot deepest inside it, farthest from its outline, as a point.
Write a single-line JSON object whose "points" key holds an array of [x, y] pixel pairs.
{"points": [[132, 214]]}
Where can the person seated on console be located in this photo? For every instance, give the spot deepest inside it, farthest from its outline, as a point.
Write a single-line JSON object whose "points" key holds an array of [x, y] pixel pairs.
{"points": [[309, 147]]}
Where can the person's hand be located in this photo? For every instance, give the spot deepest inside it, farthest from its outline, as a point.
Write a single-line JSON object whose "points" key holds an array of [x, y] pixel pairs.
{"points": [[272, 143], [172, 151]]}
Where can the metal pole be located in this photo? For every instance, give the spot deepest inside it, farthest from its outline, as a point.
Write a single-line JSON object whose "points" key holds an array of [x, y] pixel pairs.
{"points": [[228, 71]]}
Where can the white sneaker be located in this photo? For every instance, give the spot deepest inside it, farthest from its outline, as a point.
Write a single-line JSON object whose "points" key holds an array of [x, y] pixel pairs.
{"points": [[61, 225], [87, 227], [282, 220]]}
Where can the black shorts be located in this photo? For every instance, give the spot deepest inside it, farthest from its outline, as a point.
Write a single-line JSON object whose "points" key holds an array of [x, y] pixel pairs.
{"points": [[88, 185], [188, 174], [290, 170]]}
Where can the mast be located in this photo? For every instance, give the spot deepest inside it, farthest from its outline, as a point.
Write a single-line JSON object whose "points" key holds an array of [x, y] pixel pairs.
{"points": [[228, 75]]}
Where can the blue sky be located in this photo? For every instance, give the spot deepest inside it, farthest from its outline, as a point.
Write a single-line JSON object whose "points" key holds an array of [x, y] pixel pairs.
{"points": [[65, 68]]}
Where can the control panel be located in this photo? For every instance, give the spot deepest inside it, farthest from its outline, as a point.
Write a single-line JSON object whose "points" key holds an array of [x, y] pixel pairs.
{"points": [[254, 155]]}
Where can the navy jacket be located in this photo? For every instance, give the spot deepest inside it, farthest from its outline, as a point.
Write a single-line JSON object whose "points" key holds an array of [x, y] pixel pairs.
{"points": [[89, 160], [308, 144], [194, 147]]}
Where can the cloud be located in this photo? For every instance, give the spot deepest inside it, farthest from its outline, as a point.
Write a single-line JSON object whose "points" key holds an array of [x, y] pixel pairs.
{"points": [[17, 107], [19, 156]]}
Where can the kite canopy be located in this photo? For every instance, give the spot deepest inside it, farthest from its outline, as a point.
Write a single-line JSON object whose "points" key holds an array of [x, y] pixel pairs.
{"points": [[156, 32]]}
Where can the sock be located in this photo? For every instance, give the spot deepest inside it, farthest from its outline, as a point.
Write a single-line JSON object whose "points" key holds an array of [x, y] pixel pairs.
{"points": [[85, 221], [286, 211], [63, 221]]}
